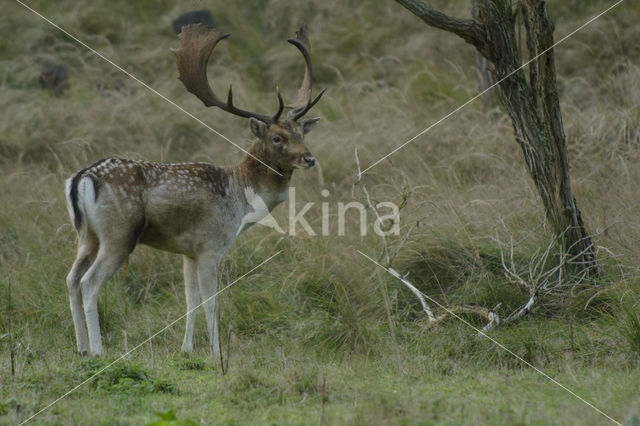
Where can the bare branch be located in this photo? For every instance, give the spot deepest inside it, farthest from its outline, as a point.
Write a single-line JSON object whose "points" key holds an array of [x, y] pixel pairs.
{"points": [[417, 292], [385, 245], [468, 29], [489, 314], [402, 242], [520, 312]]}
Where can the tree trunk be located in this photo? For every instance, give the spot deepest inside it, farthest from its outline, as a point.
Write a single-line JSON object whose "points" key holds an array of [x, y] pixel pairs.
{"points": [[533, 105], [484, 73]]}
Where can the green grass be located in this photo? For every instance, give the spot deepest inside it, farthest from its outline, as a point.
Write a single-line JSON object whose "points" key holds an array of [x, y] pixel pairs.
{"points": [[273, 380], [320, 335]]}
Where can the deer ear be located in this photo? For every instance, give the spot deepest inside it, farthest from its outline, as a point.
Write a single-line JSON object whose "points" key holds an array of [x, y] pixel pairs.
{"points": [[308, 124], [258, 127]]}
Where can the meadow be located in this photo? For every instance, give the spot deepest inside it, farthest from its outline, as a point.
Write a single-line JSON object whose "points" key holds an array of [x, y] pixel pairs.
{"points": [[320, 335]]}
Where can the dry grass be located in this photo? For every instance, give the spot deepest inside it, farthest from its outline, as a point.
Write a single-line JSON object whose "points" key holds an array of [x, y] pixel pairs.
{"points": [[388, 76]]}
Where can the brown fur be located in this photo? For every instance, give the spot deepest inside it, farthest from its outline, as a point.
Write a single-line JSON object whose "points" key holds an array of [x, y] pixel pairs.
{"points": [[195, 209]]}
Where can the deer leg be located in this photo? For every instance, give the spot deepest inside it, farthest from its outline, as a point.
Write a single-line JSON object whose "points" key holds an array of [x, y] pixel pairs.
{"points": [[87, 249], [104, 267], [193, 299], [208, 282]]}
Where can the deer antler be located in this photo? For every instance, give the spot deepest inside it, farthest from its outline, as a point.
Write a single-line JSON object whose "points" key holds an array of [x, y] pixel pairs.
{"points": [[304, 103], [196, 44]]}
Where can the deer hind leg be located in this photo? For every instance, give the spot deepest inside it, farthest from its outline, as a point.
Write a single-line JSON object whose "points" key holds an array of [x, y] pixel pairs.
{"points": [[107, 262], [87, 250], [208, 282], [193, 299]]}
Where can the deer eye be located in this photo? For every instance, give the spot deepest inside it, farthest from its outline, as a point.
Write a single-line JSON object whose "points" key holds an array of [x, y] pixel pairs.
{"points": [[277, 139]]}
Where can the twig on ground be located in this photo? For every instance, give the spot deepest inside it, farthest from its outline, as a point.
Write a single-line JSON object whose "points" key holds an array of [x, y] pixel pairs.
{"points": [[415, 291], [490, 314], [540, 280]]}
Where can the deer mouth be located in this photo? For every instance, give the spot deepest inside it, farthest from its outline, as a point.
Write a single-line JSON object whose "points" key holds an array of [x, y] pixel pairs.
{"points": [[306, 162]]}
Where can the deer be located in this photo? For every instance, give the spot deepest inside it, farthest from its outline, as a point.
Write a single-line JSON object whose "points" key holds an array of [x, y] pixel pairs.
{"points": [[192, 209]]}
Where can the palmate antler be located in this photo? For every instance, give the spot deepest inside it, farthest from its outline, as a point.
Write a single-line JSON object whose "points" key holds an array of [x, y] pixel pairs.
{"points": [[196, 45]]}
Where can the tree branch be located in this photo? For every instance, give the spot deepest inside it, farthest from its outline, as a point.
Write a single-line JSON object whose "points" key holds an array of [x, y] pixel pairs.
{"points": [[469, 30]]}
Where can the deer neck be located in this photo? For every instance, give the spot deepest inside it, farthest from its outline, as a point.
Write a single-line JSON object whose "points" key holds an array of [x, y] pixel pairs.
{"points": [[262, 180]]}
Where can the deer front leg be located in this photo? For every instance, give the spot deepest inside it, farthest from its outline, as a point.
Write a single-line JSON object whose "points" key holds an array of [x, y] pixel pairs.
{"points": [[208, 282], [193, 299]]}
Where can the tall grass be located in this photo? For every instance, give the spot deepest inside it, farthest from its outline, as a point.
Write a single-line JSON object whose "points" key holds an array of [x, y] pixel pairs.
{"points": [[465, 176], [389, 76]]}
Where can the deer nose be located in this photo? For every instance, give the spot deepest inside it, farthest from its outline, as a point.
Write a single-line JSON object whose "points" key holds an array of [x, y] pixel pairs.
{"points": [[310, 160]]}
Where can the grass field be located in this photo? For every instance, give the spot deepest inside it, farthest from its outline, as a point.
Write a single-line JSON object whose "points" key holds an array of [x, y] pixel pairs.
{"points": [[320, 335]]}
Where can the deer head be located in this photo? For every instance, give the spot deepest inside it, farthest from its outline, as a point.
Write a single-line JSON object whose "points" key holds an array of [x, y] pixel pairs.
{"points": [[280, 142]]}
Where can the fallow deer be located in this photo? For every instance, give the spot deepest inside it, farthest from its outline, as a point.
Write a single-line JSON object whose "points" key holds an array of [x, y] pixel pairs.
{"points": [[194, 209]]}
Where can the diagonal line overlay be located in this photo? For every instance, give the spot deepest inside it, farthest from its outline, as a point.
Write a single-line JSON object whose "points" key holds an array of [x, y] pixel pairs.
{"points": [[494, 341], [145, 85], [489, 88], [69, 392]]}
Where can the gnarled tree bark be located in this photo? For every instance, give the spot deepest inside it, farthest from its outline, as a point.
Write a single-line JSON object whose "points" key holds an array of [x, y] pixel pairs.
{"points": [[484, 72], [533, 105]]}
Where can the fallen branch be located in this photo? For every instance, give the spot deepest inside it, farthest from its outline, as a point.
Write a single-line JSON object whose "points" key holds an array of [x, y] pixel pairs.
{"points": [[489, 314], [541, 281], [415, 291], [520, 312]]}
